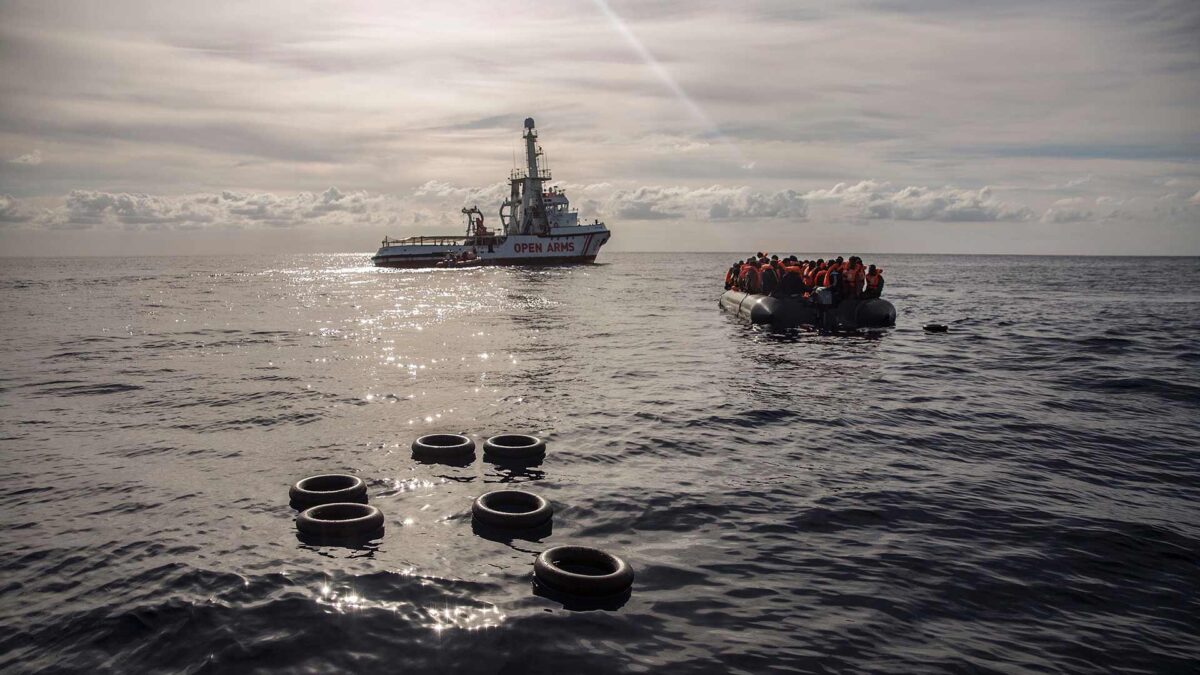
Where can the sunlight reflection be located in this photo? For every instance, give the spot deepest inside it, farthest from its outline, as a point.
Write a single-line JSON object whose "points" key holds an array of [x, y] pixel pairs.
{"points": [[447, 617]]}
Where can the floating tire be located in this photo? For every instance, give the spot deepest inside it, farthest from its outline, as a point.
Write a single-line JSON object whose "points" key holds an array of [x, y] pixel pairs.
{"points": [[443, 446], [583, 570], [515, 509], [514, 446], [936, 328], [330, 488], [340, 521]]}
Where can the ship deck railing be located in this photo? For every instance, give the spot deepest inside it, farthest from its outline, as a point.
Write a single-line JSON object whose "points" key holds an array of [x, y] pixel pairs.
{"points": [[428, 241]]}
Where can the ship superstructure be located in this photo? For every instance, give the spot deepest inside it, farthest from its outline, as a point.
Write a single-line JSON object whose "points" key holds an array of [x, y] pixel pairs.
{"points": [[538, 227]]}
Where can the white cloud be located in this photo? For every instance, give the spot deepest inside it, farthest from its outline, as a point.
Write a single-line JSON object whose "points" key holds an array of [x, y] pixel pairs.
{"points": [[1069, 210], [11, 211], [439, 192], [31, 158], [84, 209], [879, 201], [710, 203]]}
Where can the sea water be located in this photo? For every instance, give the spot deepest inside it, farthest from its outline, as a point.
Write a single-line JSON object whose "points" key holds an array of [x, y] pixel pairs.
{"points": [[1021, 493]]}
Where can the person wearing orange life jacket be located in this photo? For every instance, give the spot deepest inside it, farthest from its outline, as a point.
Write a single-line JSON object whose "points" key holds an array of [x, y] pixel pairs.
{"points": [[833, 280], [750, 280], [874, 280], [739, 279], [791, 282], [731, 275], [852, 278], [819, 275], [810, 273], [768, 278]]}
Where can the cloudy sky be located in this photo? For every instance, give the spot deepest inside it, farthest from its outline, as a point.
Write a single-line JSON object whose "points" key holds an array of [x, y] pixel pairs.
{"points": [[873, 126]]}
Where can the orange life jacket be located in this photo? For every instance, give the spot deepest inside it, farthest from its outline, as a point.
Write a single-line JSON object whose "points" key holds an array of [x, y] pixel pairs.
{"points": [[874, 280], [751, 279], [763, 274], [852, 279]]}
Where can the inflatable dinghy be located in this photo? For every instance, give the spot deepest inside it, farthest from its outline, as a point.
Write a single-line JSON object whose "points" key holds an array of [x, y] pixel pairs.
{"points": [[788, 312]]}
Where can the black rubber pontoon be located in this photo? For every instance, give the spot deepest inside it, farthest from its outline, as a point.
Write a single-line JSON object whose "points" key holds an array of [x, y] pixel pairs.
{"points": [[850, 314]]}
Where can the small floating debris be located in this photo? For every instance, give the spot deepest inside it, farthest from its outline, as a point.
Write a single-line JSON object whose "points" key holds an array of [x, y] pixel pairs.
{"points": [[515, 509], [327, 488], [443, 447], [583, 571], [341, 522], [515, 446], [936, 328]]}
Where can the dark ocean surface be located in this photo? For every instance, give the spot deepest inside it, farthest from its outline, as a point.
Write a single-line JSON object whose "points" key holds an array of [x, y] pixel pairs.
{"points": [[1021, 494]]}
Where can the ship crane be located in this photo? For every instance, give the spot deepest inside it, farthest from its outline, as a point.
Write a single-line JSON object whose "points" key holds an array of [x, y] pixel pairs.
{"points": [[475, 226]]}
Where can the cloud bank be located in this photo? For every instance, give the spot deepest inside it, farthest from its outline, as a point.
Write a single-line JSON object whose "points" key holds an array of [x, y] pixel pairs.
{"points": [[880, 201], [436, 204]]}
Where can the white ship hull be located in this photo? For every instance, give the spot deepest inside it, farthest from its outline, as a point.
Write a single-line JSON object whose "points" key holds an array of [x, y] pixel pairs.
{"points": [[562, 245]]}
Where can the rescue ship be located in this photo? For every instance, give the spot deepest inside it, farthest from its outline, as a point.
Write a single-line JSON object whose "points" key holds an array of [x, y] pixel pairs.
{"points": [[538, 227]]}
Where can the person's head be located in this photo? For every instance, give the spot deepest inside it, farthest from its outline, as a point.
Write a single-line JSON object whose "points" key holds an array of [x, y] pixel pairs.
{"points": [[839, 260], [871, 269]]}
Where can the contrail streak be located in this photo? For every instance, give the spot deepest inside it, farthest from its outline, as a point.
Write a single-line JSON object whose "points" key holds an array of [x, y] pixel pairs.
{"points": [[668, 80]]}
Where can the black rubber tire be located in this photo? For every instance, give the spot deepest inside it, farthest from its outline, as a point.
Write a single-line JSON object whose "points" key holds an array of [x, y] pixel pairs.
{"points": [[514, 446], [329, 488], [443, 446], [340, 521], [514, 509], [583, 570]]}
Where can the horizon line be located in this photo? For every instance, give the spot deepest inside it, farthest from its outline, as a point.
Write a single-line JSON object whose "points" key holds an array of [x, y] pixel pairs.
{"points": [[733, 253]]}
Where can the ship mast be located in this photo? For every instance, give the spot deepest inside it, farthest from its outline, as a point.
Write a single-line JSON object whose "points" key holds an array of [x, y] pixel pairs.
{"points": [[527, 191]]}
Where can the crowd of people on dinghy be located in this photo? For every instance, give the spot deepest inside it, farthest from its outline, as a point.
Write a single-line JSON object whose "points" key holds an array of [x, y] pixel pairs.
{"points": [[795, 278]]}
